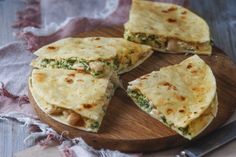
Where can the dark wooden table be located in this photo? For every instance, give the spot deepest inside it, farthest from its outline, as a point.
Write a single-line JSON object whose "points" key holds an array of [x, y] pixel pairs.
{"points": [[220, 15]]}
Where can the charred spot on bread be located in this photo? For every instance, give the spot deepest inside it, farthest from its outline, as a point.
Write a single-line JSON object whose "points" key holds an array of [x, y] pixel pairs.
{"points": [[52, 48], [171, 20], [69, 80]]}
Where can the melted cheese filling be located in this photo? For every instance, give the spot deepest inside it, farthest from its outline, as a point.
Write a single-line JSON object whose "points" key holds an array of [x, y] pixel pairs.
{"points": [[71, 117], [164, 44], [96, 68]]}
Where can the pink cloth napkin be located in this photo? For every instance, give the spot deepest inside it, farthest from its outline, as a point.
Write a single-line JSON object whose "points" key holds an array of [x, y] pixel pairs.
{"points": [[15, 58], [14, 72]]}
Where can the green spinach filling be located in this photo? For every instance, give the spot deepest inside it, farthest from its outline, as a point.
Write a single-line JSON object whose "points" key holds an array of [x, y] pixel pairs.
{"points": [[163, 118], [71, 63], [162, 43], [184, 130], [94, 125], [141, 100], [114, 64], [63, 63], [152, 40]]}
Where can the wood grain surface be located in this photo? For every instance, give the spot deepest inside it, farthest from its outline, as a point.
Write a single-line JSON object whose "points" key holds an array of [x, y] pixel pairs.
{"points": [[127, 128], [220, 15]]}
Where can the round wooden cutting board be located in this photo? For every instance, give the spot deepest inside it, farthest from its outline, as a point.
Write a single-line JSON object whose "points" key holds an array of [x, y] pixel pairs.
{"points": [[126, 128]]}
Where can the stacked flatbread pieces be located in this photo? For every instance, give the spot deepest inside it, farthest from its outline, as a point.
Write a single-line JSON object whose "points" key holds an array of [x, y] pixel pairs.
{"points": [[181, 96], [74, 79]]}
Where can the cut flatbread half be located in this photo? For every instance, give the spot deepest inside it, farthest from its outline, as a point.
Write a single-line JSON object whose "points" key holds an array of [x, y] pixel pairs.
{"points": [[92, 54], [73, 98], [181, 96], [167, 28]]}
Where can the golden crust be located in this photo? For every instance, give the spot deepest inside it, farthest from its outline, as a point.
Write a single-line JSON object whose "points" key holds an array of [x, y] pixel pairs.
{"points": [[180, 92], [82, 93], [167, 20]]}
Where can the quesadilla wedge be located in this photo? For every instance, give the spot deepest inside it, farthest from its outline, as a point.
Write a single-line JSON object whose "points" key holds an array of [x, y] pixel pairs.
{"points": [[167, 28], [92, 55], [73, 98], [181, 96]]}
